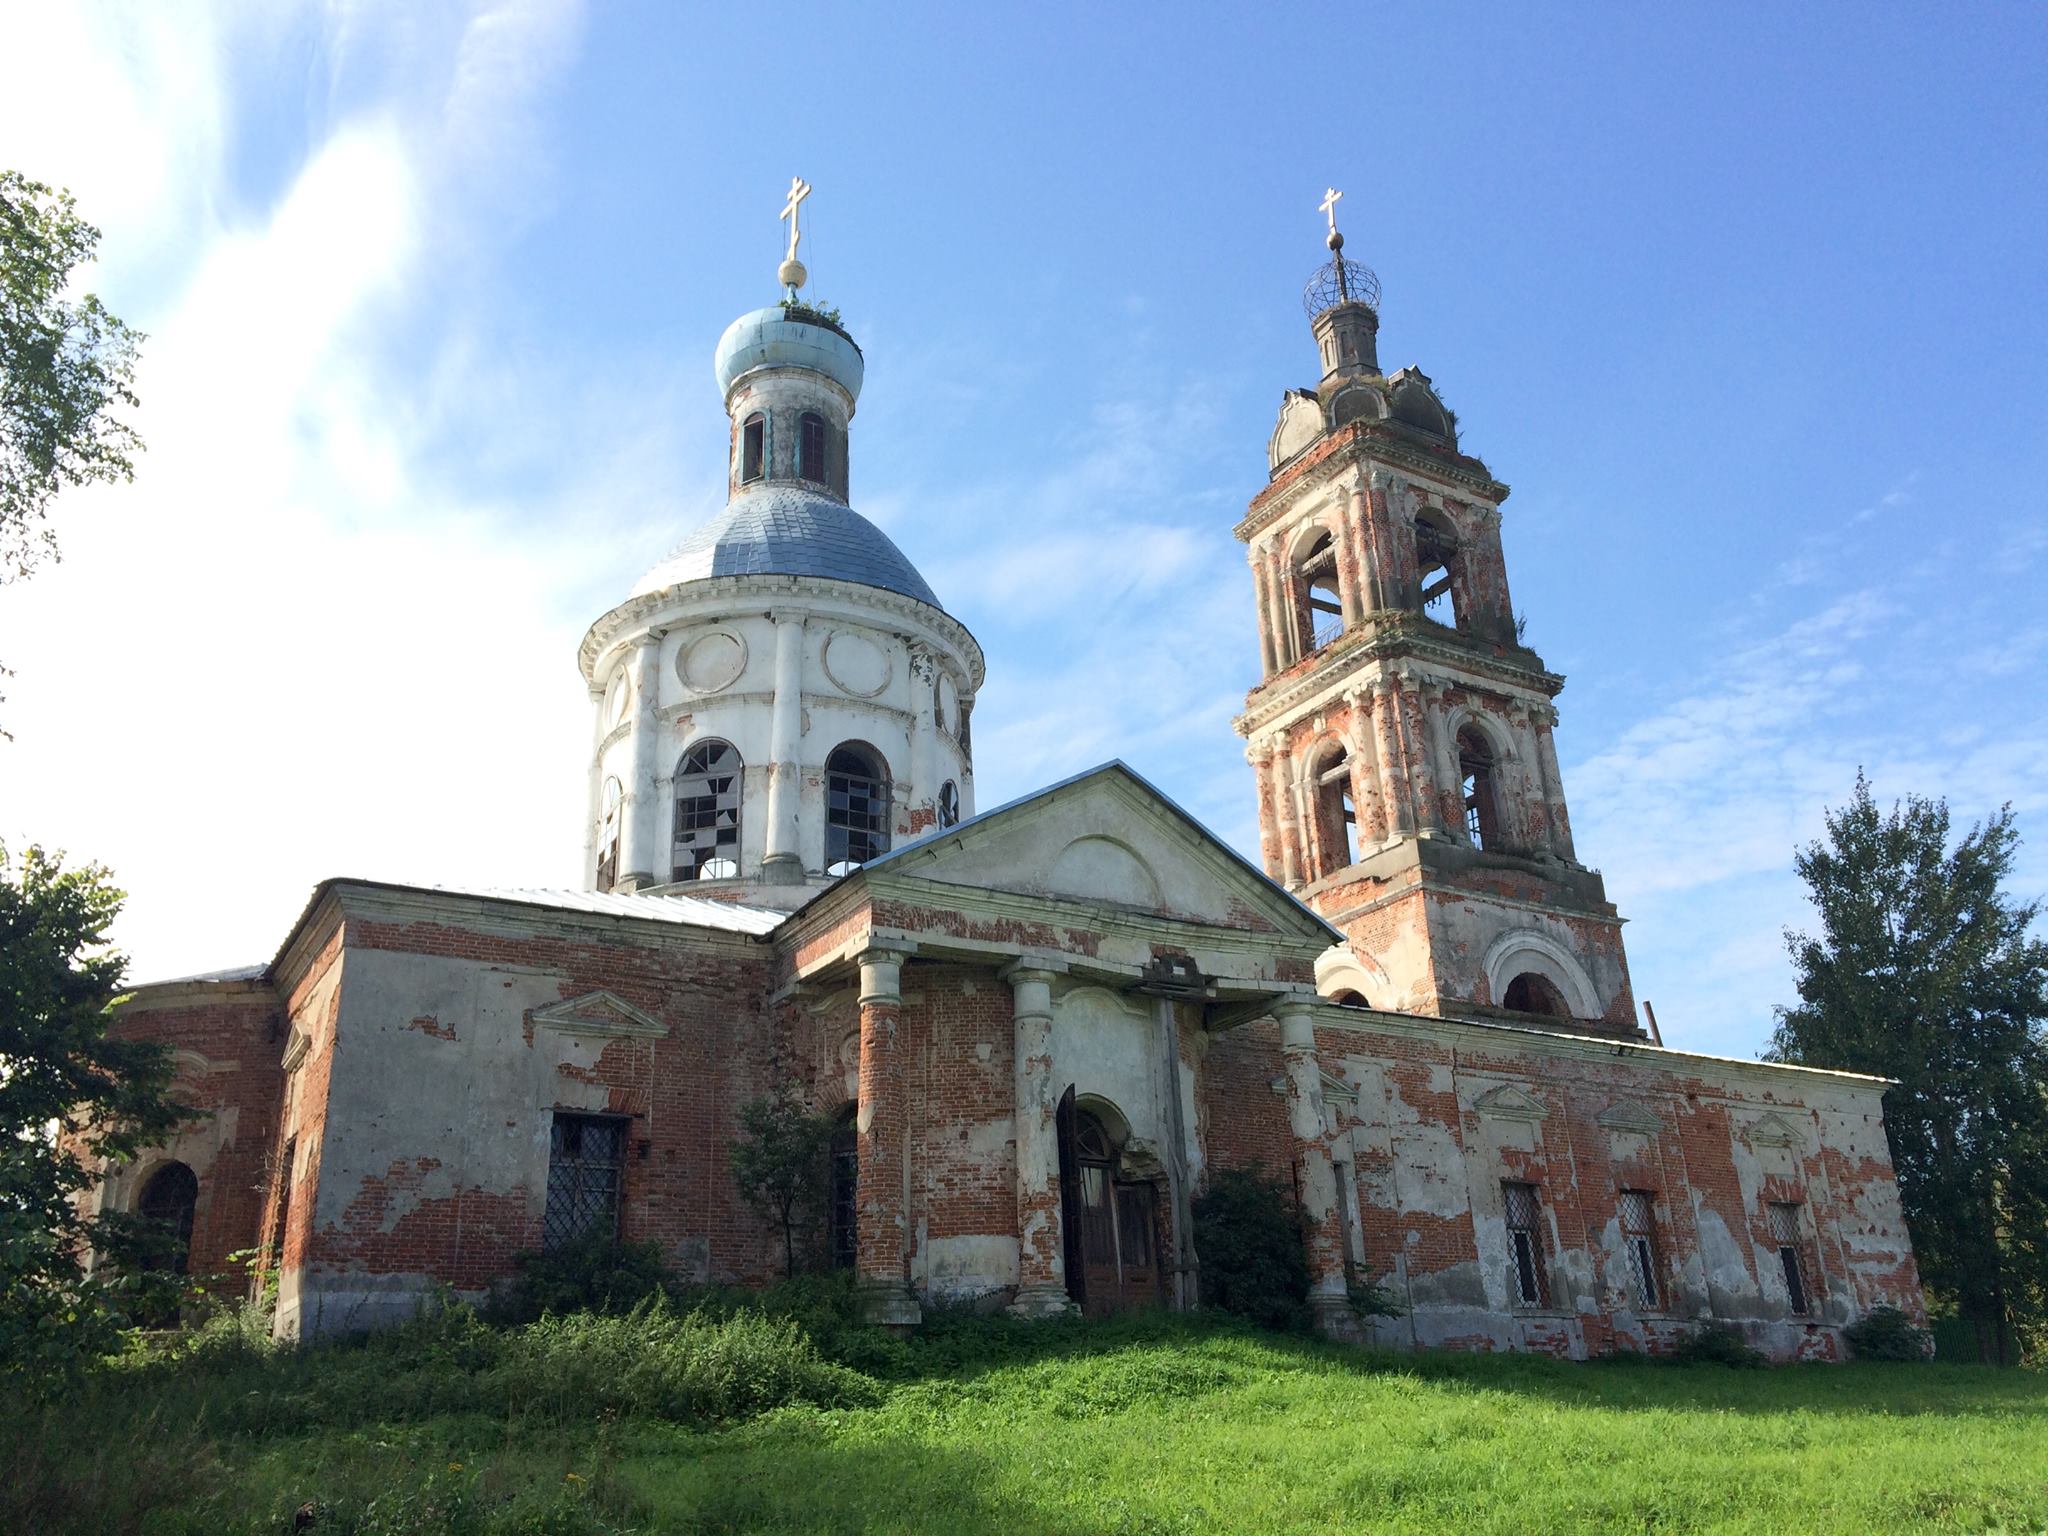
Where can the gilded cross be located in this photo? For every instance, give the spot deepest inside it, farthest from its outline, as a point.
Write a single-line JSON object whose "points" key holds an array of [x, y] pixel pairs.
{"points": [[1329, 205], [799, 189]]}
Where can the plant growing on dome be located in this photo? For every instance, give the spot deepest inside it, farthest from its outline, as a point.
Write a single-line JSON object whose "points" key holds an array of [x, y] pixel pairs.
{"points": [[817, 314]]}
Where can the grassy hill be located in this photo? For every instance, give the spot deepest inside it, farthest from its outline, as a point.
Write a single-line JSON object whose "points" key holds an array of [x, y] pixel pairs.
{"points": [[738, 1422]]}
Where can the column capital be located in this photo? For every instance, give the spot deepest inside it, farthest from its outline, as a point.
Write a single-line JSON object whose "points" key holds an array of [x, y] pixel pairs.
{"points": [[1030, 968], [881, 971], [649, 637]]}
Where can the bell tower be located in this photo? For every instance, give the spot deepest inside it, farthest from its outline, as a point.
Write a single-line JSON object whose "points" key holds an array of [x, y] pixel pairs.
{"points": [[1401, 730]]}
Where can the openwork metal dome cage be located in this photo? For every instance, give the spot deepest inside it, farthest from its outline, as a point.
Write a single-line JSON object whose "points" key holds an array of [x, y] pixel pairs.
{"points": [[1339, 282]]}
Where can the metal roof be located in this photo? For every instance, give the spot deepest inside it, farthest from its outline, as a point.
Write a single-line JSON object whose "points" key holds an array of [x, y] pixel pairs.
{"points": [[688, 911], [789, 530]]}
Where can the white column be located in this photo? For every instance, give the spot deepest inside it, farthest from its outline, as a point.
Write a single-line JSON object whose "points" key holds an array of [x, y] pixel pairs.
{"points": [[594, 811], [923, 805], [782, 861], [1041, 1256], [642, 809], [1326, 1292], [1553, 786]]}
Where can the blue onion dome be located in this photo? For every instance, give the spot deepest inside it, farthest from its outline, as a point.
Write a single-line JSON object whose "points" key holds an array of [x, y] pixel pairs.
{"points": [[776, 338], [790, 530]]}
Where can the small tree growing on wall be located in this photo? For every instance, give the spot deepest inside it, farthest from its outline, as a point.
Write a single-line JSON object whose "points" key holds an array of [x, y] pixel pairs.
{"points": [[781, 1164]]}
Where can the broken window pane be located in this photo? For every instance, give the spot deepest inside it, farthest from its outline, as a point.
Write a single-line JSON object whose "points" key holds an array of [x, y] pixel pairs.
{"points": [[707, 836], [856, 807]]}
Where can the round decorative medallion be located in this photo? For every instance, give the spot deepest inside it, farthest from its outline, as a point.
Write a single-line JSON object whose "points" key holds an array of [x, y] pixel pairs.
{"points": [[616, 699], [856, 666], [711, 662], [949, 705]]}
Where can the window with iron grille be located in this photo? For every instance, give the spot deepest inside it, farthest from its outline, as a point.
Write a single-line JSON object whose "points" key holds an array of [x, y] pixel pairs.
{"points": [[1525, 1245], [586, 1155], [1639, 1240], [707, 840], [856, 807], [1785, 1233]]}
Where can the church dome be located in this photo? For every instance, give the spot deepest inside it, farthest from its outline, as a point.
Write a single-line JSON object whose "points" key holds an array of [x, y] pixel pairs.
{"points": [[789, 530], [772, 338]]}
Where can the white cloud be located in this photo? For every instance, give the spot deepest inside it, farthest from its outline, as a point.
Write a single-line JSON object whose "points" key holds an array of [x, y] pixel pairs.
{"points": [[289, 650]]}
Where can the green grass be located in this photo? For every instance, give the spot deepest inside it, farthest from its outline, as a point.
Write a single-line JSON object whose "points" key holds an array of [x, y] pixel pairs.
{"points": [[1161, 1425]]}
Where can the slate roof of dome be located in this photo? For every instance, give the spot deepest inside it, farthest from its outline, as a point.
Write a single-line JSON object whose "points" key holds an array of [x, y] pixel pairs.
{"points": [[786, 530]]}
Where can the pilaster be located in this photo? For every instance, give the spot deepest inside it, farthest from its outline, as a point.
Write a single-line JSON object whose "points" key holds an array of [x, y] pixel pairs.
{"points": [[881, 1131], [1041, 1260]]}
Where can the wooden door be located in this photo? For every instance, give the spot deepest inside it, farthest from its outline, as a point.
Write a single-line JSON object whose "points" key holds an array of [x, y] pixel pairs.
{"points": [[1137, 1245]]}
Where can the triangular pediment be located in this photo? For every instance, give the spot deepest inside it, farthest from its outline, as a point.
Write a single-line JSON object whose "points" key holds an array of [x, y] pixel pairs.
{"points": [[599, 1013], [1507, 1102], [1629, 1115], [1108, 838], [1769, 1130]]}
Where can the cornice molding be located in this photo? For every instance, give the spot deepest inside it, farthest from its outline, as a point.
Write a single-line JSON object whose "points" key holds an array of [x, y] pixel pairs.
{"points": [[1369, 443], [1341, 665]]}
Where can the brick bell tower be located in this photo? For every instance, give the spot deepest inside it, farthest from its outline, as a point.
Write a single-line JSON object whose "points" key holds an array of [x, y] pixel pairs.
{"points": [[1402, 731]]}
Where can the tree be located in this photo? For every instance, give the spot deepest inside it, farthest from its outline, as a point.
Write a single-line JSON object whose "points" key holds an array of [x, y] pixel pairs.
{"points": [[1924, 970], [65, 365], [71, 1094], [781, 1164]]}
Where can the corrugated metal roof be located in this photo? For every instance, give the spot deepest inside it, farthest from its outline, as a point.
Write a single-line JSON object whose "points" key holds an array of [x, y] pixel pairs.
{"points": [[687, 911]]}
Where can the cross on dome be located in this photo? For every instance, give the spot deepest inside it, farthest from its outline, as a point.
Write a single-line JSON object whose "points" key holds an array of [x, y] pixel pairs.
{"points": [[1329, 205], [799, 189], [792, 273]]}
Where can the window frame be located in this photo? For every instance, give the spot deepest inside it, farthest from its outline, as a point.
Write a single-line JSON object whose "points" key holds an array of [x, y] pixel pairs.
{"points": [[1638, 1220], [1788, 1234], [610, 832], [555, 1230], [857, 834], [696, 796], [811, 432], [754, 448], [1528, 1268]]}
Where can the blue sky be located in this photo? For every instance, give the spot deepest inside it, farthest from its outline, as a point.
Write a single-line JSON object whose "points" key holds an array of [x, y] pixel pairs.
{"points": [[1747, 303]]}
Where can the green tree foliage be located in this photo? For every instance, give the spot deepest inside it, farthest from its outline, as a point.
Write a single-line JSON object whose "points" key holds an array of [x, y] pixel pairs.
{"points": [[1924, 969], [70, 1094], [65, 365], [781, 1164], [1252, 1237]]}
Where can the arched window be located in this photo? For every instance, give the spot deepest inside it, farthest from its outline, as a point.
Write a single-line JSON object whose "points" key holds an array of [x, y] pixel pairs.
{"points": [[754, 447], [842, 1207], [810, 444], [707, 837], [949, 804], [169, 1199], [856, 807], [1475, 780], [1531, 992], [1336, 817], [608, 832], [1109, 1218], [1436, 563], [1350, 1000], [1318, 574]]}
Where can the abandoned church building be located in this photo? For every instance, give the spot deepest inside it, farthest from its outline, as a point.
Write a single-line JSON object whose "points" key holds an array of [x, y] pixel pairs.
{"points": [[1042, 1026]]}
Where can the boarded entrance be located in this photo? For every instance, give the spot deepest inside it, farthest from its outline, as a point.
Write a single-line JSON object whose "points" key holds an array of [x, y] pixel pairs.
{"points": [[1109, 1223]]}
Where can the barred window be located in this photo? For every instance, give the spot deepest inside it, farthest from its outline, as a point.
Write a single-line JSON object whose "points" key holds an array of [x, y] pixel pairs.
{"points": [[842, 1214], [1525, 1245], [707, 840], [856, 808], [1785, 1233], [1639, 1239], [586, 1154]]}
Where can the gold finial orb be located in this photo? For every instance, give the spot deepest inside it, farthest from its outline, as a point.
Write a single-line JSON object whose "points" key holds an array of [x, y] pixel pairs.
{"points": [[791, 274]]}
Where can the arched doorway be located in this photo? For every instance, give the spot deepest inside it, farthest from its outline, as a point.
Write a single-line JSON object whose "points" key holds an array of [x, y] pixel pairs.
{"points": [[1109, 1222], [169, 1199]]}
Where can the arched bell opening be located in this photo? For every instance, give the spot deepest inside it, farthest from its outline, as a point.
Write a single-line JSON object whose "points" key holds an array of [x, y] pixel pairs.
{"points": [[1109, 1211], [169, 1200]]}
